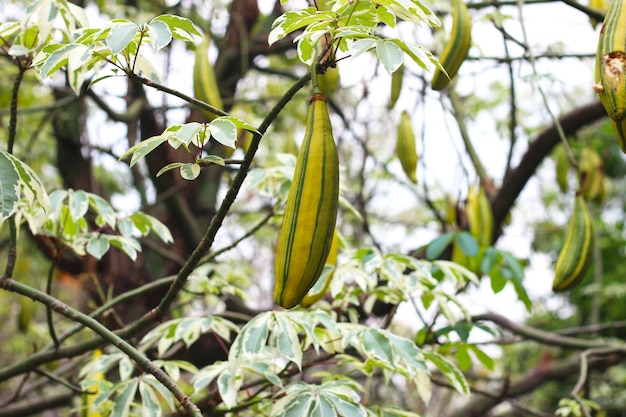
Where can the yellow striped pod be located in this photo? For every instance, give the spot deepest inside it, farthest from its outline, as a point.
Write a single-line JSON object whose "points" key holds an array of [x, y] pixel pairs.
{"points": [[405, 147], [456, 49], [600, 5], [90, 391], [590, 173], [204, 82], [321, 286], [562, 165], [575, 256], [479, 215], [308, 225], [611, 67]]}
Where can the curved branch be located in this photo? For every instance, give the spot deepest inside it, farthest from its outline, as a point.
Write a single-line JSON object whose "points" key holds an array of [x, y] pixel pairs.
{"points": [[516, 179], [546, 338]]}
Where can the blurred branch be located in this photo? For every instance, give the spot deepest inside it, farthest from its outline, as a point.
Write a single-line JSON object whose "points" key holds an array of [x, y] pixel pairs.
{"points": [[531, 380], [547, 338], [32, 406], [516, 179]]}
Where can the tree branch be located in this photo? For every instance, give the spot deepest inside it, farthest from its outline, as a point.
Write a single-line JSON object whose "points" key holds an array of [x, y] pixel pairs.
{"points": [[546, 338], [516, 179]]}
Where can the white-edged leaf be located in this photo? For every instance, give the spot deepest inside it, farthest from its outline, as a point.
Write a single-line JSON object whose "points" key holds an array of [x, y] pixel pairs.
{"points": [[150, 404], [207, 374], [31, 185], [188, 132], [125, 368], [361, 46], [9, 187], [78, 204], [98, 246], [124, 399], [181, 27], [143, 148], [121, 35], [390, 55], [286, 339], [224, 131], [160, 388], [160, 34], [228, 385], [56, 59], [190, 171]]}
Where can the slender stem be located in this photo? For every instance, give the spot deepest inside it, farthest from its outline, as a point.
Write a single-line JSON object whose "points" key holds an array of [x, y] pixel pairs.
{"points": [[53, 333], [469, 147], [596, 300], [13, 109], [142, 360]]}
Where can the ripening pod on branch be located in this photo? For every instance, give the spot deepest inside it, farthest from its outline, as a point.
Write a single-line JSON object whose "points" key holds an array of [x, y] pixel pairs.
{"points": [[456, 49], [405, 147], [611, 68], [306, 234], [591, 175], [577, 252]]}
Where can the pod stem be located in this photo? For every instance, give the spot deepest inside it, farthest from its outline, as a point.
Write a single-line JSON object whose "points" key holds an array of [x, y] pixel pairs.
{"points": [[314, 69]]}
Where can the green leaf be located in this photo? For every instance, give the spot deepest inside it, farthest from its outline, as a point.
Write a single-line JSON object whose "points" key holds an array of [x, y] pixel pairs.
{"points": [[488, 261], [98, 246], [390, 55], [385, 16], [438, 245], [124, 399], [145, 223], [160, 34], [9, 187], [121, 35], [224, 131], [462, 357], [143, 148], [485, 359], [467, 243], [170, 167], [451, 372], [497, 281]]}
